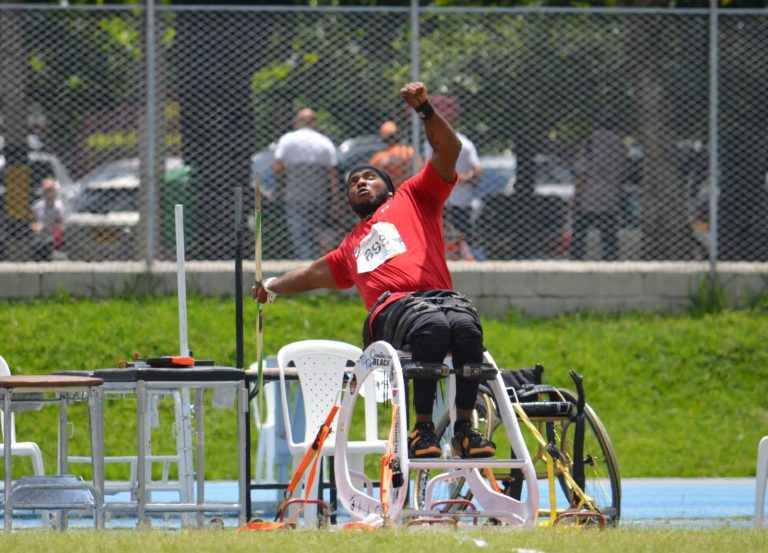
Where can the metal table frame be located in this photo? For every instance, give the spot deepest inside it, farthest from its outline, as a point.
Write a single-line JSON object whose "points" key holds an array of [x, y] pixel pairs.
{"points": [[34, 390], [200, 506], [119, 385], [159, 381]]}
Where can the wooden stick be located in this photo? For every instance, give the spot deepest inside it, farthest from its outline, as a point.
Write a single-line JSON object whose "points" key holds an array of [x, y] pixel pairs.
{"points": [[258, 278]]}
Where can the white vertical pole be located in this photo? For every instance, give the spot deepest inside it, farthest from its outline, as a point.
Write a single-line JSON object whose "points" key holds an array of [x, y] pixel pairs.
{"points": [[181, 281], [415, 76], [183, 418], [714, 162]]}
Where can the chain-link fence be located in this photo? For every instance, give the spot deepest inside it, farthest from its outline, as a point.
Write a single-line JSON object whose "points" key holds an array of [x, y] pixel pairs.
{"points": [[591, 128]]}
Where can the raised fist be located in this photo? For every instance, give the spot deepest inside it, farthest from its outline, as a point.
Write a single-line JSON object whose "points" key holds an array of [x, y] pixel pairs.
{"points": [[414, 94]]}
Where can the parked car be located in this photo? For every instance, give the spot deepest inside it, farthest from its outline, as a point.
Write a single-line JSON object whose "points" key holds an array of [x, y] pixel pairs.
{"points": [[357, 151], [511, 223], [102, 216], [498, 177], [261, 165], [276, 243], [43, 164]]}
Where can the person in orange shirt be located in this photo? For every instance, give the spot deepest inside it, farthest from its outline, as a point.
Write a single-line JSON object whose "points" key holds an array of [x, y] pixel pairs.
{"points": [[396, 159]]}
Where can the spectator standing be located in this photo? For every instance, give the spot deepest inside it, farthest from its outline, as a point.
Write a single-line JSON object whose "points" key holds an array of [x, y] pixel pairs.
{"points": [[600, 169], [307, 160], [458, 208], [47, 222], [396, 159]]}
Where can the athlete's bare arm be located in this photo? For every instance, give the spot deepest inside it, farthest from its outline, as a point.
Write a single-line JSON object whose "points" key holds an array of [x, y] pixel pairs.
{"points": [[314, 276]]}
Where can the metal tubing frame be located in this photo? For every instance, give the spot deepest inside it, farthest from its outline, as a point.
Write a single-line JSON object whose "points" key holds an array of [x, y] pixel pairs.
{"points": [[198, 506], [7, 464], [96, 434]]}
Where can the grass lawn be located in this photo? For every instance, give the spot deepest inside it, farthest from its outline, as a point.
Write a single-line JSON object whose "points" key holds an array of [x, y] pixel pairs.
{"points": [[722, 540], [679, 395]]}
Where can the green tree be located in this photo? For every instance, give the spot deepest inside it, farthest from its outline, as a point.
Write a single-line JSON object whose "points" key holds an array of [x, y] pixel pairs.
{"points": [[80, 64]]}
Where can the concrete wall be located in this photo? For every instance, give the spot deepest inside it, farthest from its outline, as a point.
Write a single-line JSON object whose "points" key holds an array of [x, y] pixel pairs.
{"points": [[539, 288], [549, 288]]}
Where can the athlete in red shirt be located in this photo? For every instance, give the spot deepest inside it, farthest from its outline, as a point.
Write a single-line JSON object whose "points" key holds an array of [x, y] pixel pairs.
{"points": [[395, 257]]}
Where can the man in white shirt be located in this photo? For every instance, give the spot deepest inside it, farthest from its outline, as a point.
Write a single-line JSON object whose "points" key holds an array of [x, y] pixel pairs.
{"points": [[307, 160], [601, 168], [458, 208]]}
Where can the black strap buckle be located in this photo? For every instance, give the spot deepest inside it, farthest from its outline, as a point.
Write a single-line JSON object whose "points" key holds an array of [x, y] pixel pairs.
{"points": [[423, 370], [478, 371]]}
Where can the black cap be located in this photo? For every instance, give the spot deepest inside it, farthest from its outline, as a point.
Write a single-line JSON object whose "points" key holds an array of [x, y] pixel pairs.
{"points": [[383, 174]]}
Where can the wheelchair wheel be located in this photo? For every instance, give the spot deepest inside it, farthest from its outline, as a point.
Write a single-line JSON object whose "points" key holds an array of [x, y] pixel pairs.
{"points": [[602, 481], [485, 418]]}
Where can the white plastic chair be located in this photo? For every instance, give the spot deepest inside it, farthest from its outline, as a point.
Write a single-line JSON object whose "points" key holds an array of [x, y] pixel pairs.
{"points": [[760, 480], [321, 366], [20, 449]]}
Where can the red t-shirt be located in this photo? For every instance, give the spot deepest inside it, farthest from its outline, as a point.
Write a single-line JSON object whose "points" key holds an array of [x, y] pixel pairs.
{"points": [[400, 248]]}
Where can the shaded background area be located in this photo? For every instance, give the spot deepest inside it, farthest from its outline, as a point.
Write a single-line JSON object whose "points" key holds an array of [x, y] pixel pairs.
{"points": [[86, 87]]}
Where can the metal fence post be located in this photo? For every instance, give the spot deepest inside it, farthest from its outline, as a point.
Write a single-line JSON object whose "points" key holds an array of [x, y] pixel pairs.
{"points": [[415, 76], [151, 124], [714, 166]]}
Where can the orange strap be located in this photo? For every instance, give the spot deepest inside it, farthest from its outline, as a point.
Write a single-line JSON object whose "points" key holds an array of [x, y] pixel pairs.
{"points": [[324, 431], [492, 479], [386, 479], [386, 466], [303, 502], [317, 446], [258, 525], [359, 525], [312, 452]]}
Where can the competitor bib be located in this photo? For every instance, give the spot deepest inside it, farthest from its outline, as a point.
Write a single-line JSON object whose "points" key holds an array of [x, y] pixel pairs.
{"points": [[381, 244]]}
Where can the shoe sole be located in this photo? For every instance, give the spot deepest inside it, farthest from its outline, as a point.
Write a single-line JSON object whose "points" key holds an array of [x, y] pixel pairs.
{"points": [[429, 453], [483, 453]]}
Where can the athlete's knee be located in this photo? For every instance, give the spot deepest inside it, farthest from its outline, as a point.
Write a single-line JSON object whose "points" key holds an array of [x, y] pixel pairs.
{"points": [[431, 341], [467, 330], [436, 331]]}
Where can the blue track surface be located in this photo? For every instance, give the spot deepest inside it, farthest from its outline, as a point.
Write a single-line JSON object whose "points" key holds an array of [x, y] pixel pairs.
{"points": [[677, 500], [645, 502]]}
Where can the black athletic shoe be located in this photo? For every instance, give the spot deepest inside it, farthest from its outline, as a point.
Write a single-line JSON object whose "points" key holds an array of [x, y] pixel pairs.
{"points": [[468, 443], [423, 442]]}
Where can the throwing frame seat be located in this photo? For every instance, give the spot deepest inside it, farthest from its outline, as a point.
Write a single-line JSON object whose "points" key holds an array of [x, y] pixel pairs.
{"points": [[390, 505]]}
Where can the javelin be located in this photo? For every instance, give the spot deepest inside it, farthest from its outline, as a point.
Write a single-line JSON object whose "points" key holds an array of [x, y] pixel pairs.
{"points": [[257, 276]]}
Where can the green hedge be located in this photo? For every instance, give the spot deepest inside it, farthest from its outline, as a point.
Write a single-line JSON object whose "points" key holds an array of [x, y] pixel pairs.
{"points": [[679, 395]]}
